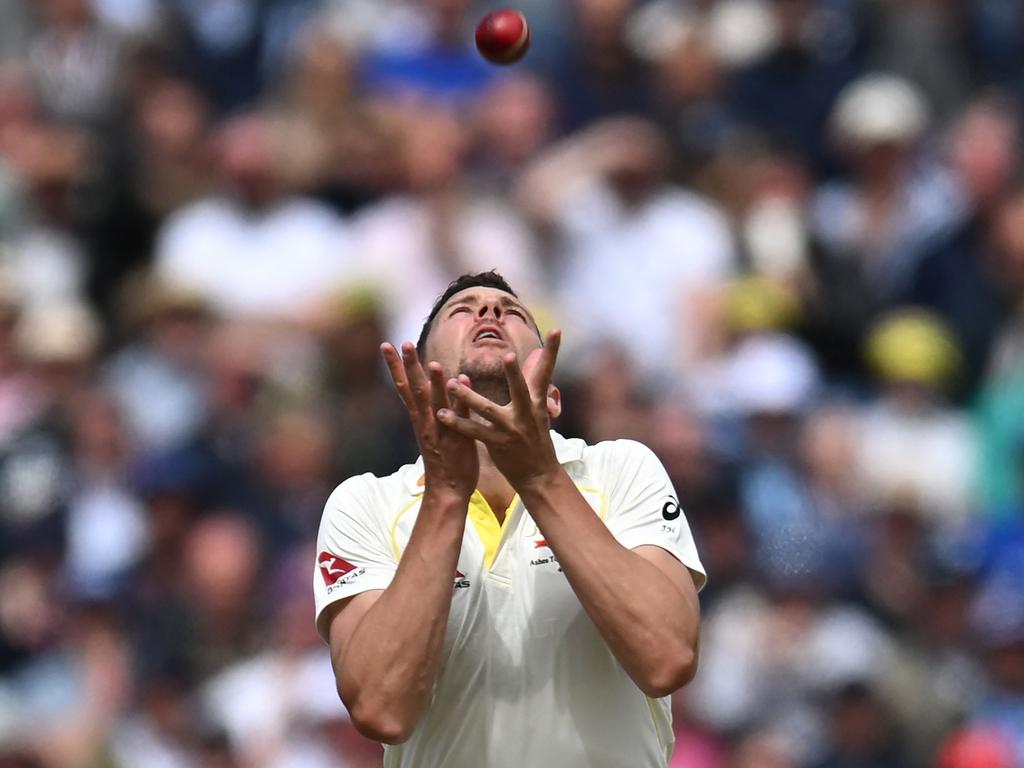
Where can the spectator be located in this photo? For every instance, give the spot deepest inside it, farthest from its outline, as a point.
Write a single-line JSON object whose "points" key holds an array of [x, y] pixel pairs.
{"points": [[863, 733], [998, 620], [923, 42], [629, 238], [293, 683], [229, 247], [57, 344], [75, 63], [915, 452], [516, 118], [961, 276], [598, 75], [107, 533], [372, 431], [212, 212], [874, 228], [1001, 429], [167, 325], [788, 93], [767, 658], [231, 49], [438, 68], [438, 226]]}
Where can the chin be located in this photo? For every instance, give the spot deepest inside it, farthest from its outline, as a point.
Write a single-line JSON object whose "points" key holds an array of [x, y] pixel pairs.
{"points": [[480, 371], [487, 376], [483, 362]]}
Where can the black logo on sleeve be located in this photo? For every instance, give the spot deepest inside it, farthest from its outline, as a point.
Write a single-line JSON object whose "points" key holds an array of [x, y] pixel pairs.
{"points": [[671, 510]]}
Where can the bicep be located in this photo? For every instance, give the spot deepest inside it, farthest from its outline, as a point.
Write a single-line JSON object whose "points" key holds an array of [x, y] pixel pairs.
{"points": [[339, 621], [682, 578]]}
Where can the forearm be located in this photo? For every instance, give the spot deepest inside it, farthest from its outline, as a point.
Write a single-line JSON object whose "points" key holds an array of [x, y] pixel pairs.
{"points": [[386, 671], [648, 622]]}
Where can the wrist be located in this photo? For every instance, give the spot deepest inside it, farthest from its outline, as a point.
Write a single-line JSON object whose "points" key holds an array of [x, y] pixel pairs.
{"points": [[443, 515], [537, 487], [446, 496]]}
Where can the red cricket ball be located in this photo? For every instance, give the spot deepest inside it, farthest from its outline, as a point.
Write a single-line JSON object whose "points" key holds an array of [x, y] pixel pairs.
{"points": [[503, 36]]}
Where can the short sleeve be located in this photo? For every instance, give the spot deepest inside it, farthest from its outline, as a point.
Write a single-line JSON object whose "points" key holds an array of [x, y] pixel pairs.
{"points": [[643, 508], [352, 551]]}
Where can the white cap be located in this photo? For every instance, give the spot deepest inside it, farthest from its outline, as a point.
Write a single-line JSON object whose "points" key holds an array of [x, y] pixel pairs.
{"points": [[657, 28], [738, 32], [880, 108], [771, 373], [742, 31]]}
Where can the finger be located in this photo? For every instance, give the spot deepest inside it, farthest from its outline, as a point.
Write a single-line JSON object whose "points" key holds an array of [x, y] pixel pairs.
{"points": [[461, 409], [466, 426], [530, 364], [540, 379], [417, 379], [475, 402], [397, 371], [438, 392], [517, 387]]}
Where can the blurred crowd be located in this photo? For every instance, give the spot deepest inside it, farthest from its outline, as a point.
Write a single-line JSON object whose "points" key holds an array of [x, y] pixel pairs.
{"points": [[784, 239]]}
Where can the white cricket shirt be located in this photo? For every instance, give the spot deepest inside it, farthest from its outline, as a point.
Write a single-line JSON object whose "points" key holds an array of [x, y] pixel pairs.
{"points": [[526, 679]]}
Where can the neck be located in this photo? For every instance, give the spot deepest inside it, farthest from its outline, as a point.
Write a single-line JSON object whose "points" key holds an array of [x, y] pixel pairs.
{"points": [[492, 484]]}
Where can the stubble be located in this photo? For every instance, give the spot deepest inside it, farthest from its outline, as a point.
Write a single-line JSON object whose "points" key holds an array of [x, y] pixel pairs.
{"points": [[487, 377]]}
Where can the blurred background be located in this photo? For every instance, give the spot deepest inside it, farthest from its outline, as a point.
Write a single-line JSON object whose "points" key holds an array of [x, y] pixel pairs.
{"points": [[785, 241]]}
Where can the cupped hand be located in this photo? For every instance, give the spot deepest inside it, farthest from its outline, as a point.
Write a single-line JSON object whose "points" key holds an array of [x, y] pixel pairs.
{"points": [[517, 435], [450, 459]]}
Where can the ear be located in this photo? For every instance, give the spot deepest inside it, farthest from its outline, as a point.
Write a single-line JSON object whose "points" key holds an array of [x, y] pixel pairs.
{"points": [[554, 402]]}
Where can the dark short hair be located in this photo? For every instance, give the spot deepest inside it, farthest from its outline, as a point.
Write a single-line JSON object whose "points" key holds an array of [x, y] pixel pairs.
{"points": [[489, 279]]}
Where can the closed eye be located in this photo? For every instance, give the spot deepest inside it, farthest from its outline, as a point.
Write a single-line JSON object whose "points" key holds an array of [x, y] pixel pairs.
{"points": [[459, 309], [516, 312]]}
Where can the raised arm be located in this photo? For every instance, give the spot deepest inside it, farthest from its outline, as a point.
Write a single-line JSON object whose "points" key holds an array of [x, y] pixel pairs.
{"points": [[553, 178], [643, 600], [386, 644]]}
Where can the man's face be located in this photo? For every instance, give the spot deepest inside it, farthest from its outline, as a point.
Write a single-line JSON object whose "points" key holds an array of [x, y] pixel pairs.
{"points": [[474, 330]]}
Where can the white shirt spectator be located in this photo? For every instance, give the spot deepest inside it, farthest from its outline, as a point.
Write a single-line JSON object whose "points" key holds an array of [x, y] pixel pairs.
{"points": [[762, 662], [47, 265], [633, 277], [107, 534], [928, 206], [926, 458], [268, 263], [285, 698], [397, 246]]}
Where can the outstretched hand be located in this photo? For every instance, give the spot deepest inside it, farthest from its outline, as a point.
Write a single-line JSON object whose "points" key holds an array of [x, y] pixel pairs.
{"points": [[450, 460], [516, 435]]}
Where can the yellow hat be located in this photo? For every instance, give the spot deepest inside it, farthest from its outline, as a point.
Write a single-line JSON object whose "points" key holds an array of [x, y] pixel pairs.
{"points": [[354, 303], [757, 303], [913, 345]]}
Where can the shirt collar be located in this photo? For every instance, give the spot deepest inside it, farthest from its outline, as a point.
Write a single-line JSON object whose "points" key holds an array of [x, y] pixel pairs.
{"points": [[566, 450]]}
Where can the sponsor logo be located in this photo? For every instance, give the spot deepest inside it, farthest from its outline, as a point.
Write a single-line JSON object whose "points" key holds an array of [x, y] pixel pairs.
{"points": [[334, 568], [551, 559], [670, 510], [461, 582], [540, 543]]}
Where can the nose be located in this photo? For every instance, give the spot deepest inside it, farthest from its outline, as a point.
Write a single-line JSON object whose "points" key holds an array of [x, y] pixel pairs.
{"points": [[487, 309]]}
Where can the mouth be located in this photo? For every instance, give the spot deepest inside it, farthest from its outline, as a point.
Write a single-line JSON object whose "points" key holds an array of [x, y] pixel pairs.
{"points": [[488, 333]]}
